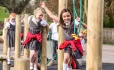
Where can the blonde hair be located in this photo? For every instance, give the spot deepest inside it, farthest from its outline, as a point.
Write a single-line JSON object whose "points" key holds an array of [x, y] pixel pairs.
{"points": [[12, 15], [37, 10]]}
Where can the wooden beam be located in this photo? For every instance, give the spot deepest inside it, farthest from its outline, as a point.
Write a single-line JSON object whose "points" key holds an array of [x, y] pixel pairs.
{"points": [[94, 35], [26, 51], [4, 57], [44, 48], [18, 36], [62, 5], [5, 47]]}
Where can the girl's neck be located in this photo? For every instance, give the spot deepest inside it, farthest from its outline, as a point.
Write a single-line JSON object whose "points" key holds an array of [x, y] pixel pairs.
{"points": [[13, 23], [67, 23]]}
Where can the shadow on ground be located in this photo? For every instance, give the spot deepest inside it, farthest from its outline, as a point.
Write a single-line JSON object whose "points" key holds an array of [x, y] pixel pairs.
{"points": [[105, 66]]}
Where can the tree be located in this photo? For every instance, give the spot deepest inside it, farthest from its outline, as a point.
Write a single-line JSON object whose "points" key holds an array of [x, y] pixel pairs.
{"points": [[109, 13], [16, 6]]}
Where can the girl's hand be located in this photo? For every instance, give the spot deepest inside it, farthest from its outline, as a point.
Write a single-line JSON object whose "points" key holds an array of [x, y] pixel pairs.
{"points": [[81, 35], [75, 36], [42, 4], [78, 19], [84, 32]]}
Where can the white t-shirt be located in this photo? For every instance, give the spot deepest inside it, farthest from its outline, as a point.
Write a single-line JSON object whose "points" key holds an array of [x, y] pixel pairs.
{"points": [[53, 27], [7, 25], [43, 22]]}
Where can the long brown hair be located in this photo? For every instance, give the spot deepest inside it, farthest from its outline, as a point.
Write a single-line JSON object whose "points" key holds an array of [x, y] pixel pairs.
{"points": [[63, 11]]}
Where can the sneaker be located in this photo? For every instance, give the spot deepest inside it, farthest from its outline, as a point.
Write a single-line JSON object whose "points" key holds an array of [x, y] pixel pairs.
{"points": [[8, 61], [31, 67], [51, 63]]}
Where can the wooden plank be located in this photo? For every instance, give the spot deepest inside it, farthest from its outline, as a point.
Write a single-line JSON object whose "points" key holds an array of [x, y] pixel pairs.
{"points": [[4, 57]]}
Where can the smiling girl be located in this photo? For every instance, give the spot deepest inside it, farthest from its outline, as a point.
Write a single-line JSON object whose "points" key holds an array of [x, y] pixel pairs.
{"points": [[70, 44]]}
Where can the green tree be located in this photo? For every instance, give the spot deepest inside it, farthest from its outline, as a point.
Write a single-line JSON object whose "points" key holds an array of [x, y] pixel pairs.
{"points": [[109, 13], [16, 6]]}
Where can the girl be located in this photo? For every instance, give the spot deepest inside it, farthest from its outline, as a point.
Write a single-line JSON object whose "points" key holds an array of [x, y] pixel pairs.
{"points": [[10, 25], [66, 22], [33, 40]]}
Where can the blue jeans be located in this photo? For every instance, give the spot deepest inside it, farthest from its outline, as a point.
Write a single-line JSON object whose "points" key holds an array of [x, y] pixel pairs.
{"points": [[55, 46]]}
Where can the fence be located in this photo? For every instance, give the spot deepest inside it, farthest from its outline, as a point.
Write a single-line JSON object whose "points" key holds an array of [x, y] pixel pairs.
{"points": [[108, 35]]}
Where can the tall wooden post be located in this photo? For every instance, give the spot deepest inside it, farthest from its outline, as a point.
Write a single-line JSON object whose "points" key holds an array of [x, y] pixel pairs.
{"points": [[18, 36], [94, 35], [5, 47], [26, 51], [44, 48], [62, 5]]}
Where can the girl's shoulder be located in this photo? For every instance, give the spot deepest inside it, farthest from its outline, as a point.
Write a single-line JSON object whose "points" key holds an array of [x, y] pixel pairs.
{"points": [[52, 24], [30, 17], [7, 23]]}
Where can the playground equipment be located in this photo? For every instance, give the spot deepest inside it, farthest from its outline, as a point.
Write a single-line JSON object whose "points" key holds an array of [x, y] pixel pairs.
{"points": [[94, 43], [17, 59], [23, 62]]}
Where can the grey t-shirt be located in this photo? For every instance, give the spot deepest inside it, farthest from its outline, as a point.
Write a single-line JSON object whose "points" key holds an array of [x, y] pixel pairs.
{"points": [[68, 30]]}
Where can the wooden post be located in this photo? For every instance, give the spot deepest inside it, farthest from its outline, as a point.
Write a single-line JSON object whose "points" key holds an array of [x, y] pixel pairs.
{"points": [[94, 35], [62, 5], [5, 47], [26, 51], [22, 64], [18, 36], [44, 49]]}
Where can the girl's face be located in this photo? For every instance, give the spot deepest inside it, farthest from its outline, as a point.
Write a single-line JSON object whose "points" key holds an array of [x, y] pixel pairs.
{"points": [[66, 17], [12, 18], [39, 15]]}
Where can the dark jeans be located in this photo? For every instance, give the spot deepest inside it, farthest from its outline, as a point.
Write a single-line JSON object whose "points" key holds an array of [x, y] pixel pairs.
{"points": [[55, 46]]}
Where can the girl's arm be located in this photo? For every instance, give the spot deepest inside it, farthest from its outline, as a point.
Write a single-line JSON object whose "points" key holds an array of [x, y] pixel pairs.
{"points": [[51, 15], [84, 25], [7, 25]]}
